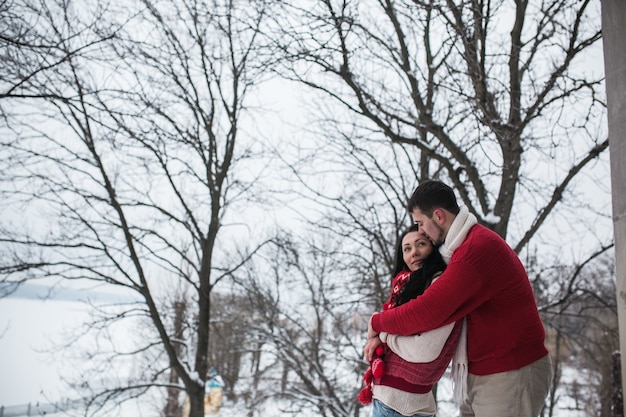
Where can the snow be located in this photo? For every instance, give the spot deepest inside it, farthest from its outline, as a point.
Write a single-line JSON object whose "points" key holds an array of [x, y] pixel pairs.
{"points": [[30, 373]]}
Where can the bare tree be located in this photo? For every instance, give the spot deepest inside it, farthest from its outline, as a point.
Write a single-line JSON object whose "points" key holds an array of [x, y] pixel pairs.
{"points": [[488, 93], [583, 334], [124, 137], [29, 50], [304, 317]]}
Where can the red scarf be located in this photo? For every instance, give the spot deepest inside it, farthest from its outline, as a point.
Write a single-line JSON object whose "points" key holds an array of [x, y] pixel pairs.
{"points": [[397, 285]]}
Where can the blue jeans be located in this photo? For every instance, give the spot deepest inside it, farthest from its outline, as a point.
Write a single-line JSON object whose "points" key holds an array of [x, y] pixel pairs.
{"points": [[379, 409]]}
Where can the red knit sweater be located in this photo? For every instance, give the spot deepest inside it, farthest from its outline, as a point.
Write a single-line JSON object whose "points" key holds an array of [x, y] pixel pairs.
{"points": [[486, 282]]}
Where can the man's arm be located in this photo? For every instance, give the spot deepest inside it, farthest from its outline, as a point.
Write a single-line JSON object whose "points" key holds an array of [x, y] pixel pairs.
{"points": [[458, 291]]}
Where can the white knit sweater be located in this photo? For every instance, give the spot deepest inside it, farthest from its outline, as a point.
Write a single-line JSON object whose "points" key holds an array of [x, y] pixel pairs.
{"points": [[421, 348]]}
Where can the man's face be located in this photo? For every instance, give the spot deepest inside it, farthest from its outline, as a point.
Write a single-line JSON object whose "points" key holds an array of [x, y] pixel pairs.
{"points": [[428, 227]]}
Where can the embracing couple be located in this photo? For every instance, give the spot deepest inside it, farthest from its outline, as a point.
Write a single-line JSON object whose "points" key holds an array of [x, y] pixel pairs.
{"points": [[459, 294]]}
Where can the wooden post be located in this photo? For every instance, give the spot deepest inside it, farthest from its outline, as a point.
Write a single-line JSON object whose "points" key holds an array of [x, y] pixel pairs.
{"points": [[614, 34]]}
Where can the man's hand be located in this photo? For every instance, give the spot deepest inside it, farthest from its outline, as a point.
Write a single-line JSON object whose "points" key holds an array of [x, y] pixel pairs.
{"points": [[370, 348]]}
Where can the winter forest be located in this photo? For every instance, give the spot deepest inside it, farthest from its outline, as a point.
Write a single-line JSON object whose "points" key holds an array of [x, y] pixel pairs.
{"points": [[237, 173]]}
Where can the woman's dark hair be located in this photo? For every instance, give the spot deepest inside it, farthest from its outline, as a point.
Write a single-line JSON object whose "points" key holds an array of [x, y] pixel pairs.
{"points": [[420, 279]]}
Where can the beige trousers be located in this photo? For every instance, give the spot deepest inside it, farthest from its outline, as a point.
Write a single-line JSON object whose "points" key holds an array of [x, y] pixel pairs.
{"points": [[518, 393]]}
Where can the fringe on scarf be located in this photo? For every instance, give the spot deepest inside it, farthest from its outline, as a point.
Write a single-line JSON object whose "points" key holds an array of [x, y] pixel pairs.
{"points": [[459, 371]]}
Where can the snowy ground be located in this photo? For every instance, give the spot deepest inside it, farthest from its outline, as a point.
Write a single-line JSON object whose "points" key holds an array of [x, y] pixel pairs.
{"points": [[29, 373]]}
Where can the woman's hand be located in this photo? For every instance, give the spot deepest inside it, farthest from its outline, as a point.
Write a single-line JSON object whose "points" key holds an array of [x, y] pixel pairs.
{"points": [[370, 332], [370, 348]]}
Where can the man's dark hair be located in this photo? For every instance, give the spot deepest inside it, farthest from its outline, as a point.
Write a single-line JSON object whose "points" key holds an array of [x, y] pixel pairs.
{"points": [[430, 195]]}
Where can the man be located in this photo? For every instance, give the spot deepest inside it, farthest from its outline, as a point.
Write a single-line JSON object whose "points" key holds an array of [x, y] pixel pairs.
{"points": [[485, 282]]}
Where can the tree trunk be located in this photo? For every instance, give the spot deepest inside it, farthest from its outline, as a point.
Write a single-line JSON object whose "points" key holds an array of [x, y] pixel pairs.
{"points": [[617, 396], [196, 402]]}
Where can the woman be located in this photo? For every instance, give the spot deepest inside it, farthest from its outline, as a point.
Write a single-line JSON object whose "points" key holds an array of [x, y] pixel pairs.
{"points": [[411, 365]]}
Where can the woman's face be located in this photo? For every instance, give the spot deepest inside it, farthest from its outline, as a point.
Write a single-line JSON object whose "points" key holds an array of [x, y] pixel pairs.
{"points": [[415, 248]]}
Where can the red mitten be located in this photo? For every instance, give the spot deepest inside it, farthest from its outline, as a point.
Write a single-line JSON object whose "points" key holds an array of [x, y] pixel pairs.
{"points": [[368, 377], [379, 351], [365, 396], [376, 370], [378, 367]]}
